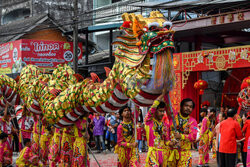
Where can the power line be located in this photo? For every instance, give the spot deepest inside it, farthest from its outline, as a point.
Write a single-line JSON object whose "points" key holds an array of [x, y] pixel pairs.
{"points": [[68, 22], [59, 25]]}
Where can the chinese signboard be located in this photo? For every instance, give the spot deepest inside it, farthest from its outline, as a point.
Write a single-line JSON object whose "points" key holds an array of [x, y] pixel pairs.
{"points": [[44, 54]]}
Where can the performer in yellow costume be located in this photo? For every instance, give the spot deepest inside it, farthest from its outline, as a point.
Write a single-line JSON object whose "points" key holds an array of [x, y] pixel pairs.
{"points": [[157, 134], [66, 153], [205, 139], [80, 156], [26, 157], [55, 145], [45, 142], [186, 127], [126, 145]]}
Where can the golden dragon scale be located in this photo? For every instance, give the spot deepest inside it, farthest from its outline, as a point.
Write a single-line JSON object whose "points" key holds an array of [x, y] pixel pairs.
{"points": [[143, 66]]}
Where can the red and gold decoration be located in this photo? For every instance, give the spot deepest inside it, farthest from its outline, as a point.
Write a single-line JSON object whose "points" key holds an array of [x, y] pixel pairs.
{"points": [[201, 85], [214, 60], [244, 95]]}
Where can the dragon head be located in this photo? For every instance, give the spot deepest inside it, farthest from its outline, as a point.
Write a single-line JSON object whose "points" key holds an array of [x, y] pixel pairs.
{"points": [[150, 37], [154, 34]]}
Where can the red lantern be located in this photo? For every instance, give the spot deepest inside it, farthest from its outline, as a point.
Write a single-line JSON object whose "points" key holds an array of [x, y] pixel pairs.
{"points": [[205, 103], [201, 85]]}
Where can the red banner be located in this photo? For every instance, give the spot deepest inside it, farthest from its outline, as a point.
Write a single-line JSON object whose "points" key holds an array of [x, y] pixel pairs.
{"points": [[48, 54], [44, 54]]}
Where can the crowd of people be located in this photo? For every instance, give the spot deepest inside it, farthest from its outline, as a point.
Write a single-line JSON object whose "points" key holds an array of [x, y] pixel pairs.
{"points": [[166, 135]]}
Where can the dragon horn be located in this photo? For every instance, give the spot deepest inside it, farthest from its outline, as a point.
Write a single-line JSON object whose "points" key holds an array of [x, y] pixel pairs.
{"points": [[107, 71], [95, 77], [78, 77], [17, 79], [125, 17], [158, 14]]}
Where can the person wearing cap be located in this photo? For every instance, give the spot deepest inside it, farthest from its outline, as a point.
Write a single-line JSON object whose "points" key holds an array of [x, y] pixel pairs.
{"points": [[126, 144], [230, 132]]}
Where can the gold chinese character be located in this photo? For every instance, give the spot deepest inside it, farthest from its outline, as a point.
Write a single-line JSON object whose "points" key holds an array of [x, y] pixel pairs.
{"points": [[222, 19], [213, 20], [230, 17], [240, 16]]}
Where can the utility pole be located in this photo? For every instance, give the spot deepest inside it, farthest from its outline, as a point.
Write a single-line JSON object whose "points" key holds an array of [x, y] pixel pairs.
{"points": [[75, 36], [31, 8]]}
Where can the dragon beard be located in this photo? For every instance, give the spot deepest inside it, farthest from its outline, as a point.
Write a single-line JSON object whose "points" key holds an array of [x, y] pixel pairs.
{"points": [[162, 71]]}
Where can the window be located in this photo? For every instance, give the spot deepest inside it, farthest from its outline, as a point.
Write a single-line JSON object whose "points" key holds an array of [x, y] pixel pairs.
{"points": [[15, 15]]}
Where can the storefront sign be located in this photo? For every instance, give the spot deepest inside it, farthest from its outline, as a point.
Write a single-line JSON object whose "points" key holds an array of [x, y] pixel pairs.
{"points": [[44, 54]]}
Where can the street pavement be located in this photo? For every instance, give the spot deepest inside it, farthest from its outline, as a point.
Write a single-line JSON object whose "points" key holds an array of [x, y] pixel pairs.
{"points": [[110, 159]]}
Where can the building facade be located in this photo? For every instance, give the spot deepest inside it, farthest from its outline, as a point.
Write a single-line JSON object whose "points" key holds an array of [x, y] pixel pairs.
{"points": [[60, 10]]}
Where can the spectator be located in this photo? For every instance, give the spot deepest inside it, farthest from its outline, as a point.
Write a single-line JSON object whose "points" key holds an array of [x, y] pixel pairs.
{"points": [[145, 148], [203, 114], [104, 129], [99, 122], [140, 131], [140, 117], [90, 130], [114, 122], [246, 131], [230, 132], [222, 117], [107, 133]]}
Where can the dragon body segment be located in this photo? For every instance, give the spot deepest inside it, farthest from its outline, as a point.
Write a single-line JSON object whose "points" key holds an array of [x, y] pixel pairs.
{"points": [[143, 66]]}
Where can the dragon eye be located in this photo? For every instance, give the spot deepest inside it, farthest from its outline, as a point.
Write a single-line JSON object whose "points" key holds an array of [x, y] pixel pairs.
{"points": [[167, 24], [153, 25]]}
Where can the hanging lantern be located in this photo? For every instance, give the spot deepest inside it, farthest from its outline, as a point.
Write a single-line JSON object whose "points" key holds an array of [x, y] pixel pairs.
{"points": [[201, 85], [205, 103]]}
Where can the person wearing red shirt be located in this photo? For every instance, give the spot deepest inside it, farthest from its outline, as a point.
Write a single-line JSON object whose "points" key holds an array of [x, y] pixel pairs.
{"points": [[246, 131], [140, 131], [230, 132]]}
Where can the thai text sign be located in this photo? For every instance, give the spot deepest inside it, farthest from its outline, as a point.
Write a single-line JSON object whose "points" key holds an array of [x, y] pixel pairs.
{"points": [[44, 54]]}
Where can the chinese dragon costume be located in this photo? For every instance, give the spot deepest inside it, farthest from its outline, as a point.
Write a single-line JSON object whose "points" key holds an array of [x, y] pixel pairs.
{"points": [[143, 66]]}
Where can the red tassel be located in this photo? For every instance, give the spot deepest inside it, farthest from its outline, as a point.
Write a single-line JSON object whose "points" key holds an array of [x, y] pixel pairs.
{"points": [[17, 79]]}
